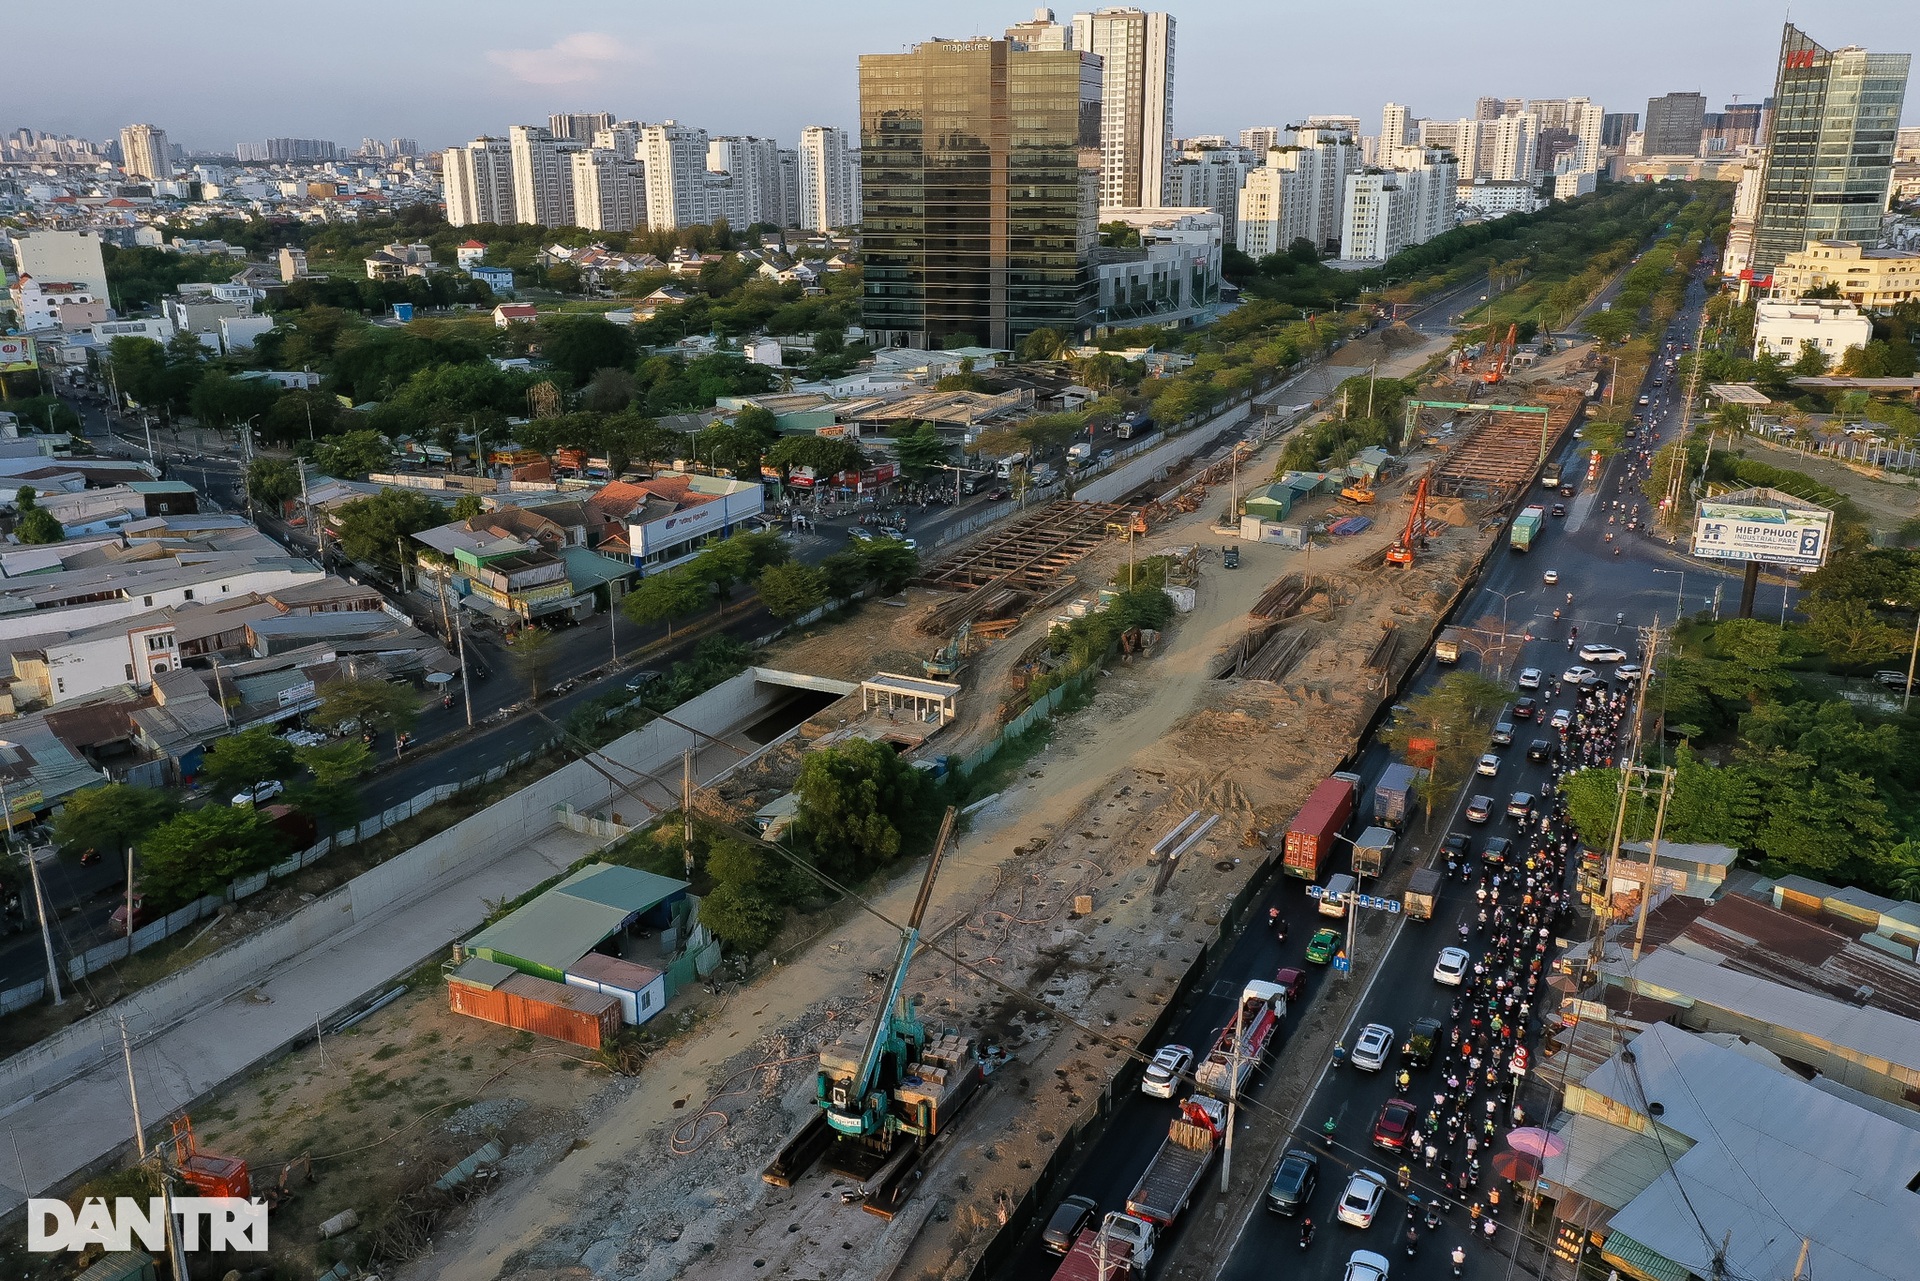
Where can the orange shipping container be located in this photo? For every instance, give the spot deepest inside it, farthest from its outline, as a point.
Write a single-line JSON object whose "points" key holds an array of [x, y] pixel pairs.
{"points": [[551, 1009]]}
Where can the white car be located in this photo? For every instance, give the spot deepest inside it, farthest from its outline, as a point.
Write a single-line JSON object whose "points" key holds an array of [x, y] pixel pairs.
{"points": [[1551, 577], [1162, 1077], [1451, 968], [1371, 1050], [259, 792], [1361, 1201], [1489, 765], [1579, 675], [1603, 654], [1365, 1265], [1629, 671], [1530, 678]]}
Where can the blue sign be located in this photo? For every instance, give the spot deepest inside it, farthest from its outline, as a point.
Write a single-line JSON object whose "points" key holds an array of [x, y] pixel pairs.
{"points": [[1341, 964], [403, 311], [1316, 891]]}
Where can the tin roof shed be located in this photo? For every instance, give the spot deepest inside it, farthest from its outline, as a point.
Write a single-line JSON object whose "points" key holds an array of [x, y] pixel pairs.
{"points": [[545, 936]]}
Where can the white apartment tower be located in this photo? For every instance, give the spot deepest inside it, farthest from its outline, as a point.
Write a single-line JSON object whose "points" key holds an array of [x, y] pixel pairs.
{"points": [[1584, 117], [675, 157], [829, 179], [1299, 193], [145, 153], [1136, 101], [1260, 139], [1396, 128], [1507, 148], [1211, 178], [578, 126], [621, 138], [753, 167], [609, 193], [542, 177], [1377, 220], [1042, 33], [479, 182]]}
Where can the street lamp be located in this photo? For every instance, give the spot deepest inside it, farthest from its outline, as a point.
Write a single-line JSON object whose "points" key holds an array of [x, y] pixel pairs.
{"points": [[1504, 598], [1679, 593]]}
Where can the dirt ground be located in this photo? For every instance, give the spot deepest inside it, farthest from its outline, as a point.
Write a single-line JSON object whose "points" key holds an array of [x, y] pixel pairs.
{"points": [[1889, 499]]}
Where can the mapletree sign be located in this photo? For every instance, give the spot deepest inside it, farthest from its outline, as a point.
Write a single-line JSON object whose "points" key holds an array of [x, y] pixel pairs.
{"points": [[1795, 537]]}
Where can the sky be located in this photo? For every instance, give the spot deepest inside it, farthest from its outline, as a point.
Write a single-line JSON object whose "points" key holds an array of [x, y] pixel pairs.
{"points": [[216, 72]]}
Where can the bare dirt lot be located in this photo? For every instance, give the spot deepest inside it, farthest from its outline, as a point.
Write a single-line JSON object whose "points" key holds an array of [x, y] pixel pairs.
{"points": [[1889, 499]]}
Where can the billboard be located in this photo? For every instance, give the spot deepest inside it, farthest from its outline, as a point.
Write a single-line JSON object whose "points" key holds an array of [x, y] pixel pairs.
{"points": [[1790, 534], [17, 355]]}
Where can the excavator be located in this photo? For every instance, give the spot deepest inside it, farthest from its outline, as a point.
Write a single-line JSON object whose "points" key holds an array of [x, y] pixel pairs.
{"points": [[881, 1104], [1358, 489], [1415, 534], [1500, 356]]}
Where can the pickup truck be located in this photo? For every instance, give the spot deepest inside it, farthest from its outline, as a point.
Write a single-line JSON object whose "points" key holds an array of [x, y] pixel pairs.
{"points": [[1193, 1137], [1122, 1246]]}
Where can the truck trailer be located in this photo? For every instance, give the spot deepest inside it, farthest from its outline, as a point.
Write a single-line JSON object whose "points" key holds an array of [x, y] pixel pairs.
{"points": [[1393, 793], [1526, 528], [1310, 836], [1193, 1137], [1242, 1045]]}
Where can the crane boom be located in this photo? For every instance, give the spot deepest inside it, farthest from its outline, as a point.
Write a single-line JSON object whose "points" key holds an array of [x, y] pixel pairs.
{"points": [[1401, 552]]}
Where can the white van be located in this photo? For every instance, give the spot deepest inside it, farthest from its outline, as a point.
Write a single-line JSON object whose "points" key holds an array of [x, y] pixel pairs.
{"points": [[1334, 901], [1004, 468]]}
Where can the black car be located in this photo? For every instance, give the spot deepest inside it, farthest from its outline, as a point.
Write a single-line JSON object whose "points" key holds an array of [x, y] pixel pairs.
{"points": [[1558, 509], [1418, 1049], [1294, 1182], [1074, 1213], [1498, 847], [1539, 751], [1524, 709], [1458, 845]]}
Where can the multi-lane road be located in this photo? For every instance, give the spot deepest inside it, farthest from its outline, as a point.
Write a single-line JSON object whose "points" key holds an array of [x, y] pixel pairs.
{"points": [[1618, 587]]}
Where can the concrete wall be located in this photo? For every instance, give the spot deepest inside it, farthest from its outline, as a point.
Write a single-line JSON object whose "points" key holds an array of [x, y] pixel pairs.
{"points": [[1134, 473]]}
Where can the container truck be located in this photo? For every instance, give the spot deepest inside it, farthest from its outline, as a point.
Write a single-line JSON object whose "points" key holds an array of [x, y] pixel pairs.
{"points": [[1423, 894], [1192, 1138], [1234, 1058], [1526, 528], [1310, 836], [1120, 1246], [1371, 851], [1393, 793]]}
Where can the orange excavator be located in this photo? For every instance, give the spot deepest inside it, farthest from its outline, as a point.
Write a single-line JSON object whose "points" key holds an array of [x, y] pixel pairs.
{"points": [[1500, 356], [1401, 553]]}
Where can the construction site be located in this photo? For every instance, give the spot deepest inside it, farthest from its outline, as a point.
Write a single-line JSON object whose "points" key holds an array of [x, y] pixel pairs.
{"points": [[1062, 927]]}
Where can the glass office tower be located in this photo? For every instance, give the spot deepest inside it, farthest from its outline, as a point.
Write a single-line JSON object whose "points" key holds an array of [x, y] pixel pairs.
{"points": [[1830, 148], [979, 170]]}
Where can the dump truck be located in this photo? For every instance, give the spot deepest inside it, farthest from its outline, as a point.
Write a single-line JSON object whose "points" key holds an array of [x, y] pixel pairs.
{"points": [[1526, 528], [1423, 894], [1120, 1246], [1447, 648], [1393, 793], [1310, 836], [1371, 850], [1551, 476], [1193, 1137], [1234, 1058]]}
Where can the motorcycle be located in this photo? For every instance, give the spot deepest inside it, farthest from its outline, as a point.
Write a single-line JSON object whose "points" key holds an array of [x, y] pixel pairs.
{"points": [[1339, 1057], [1306, 1233], [1459, 1257]]}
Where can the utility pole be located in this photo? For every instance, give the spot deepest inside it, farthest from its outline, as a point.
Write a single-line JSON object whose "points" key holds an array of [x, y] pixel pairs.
{"points": [[1233, 1092], [129, 902], [460, 641], [39, 898], [686, 809], [1653, 852], [1628, 747]]}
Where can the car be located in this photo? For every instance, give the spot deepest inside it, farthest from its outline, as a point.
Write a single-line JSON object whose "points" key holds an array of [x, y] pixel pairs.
{"points": [[1530, 678], [1365, 1265], [1073, 1214], [1489, 765], [1479, 809], [1451, 968], [1162, 1077], [1893, 680], [1321, 947], [117, 921], [857, 534], [1603, 654], [1520, 806], [1524, 708], [1498, 848], [1370, 1050], [1290, 981], [1551, 577], [1629, 671], [1539, 751], [1293, 1184], [1577, 675], [1503, 733], [1558, 509], [1106, 456], [1422, 1042], [1361, 1200], [1391, 1127], [1562, 717], [1458, 845], [641, 679], [1567, 489], [260, 792], [1000, 495]]}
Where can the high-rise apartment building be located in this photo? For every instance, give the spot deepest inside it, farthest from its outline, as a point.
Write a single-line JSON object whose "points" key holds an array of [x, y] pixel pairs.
{"points": [[829, 179], [1042, 33], [1406, 201], [1298, 193], [1552, 113], [1674, 124], [980, 173], [751, 193], [578, 126], [1210, 178], [1507, 149], [1260, 139], [542, 176], [1136, 101], [1586, 121], [622, 138], [1487, 108], [145, 152], [675, 158], [1830, 146], [479, 182], [301, 150], [1396, 127], [609, 193]]}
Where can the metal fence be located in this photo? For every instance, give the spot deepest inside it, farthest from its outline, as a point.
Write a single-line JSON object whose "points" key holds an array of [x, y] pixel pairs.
{"points": [[1042, 707]]}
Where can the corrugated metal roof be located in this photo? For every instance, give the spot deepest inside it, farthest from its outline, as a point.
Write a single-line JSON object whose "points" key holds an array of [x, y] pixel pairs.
{"points": [[627, 888], [1608, 1163], [478, 971], [1629, 1253], [614, 972], [571, 919]]}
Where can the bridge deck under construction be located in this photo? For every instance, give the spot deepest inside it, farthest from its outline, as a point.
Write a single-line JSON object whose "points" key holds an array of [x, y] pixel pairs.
{"points": [[1031, 551], [1501, 451]]}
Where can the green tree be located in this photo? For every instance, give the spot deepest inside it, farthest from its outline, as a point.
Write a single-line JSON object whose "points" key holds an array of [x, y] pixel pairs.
{"points": [[584, 345], [825, 456], [220, 400], [238, 761], [272, 481], [533, 649], [353, 454], [38, 525], [1447, 723], [845, 573], [365, 704], [467, 506], [792, 589], [609, 391], [922, 452], [112, 817], [200, 851], [861, 806], [1043, 344], [336, 763], [666, 596], [376, 529], [891, 564], [747, 904]]}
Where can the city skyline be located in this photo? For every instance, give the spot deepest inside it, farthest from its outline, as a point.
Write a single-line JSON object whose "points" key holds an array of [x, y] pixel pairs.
{"points": [[489, 78]]}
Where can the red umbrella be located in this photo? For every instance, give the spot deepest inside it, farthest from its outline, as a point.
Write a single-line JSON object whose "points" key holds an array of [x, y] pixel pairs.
{"points": [[1536, 1142], [1515, 1167]]}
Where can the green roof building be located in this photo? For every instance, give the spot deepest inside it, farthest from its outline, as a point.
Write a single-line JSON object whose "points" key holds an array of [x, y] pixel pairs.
{"points": [[545, 936]]}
